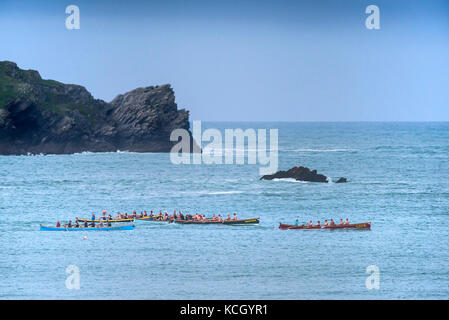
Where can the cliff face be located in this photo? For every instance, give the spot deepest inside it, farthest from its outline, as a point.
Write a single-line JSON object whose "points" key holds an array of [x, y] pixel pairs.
{"points": [[46, 116]]}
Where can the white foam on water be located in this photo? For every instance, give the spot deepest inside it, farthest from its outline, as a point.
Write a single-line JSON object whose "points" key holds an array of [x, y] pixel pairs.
{"points": [[289, 180]]}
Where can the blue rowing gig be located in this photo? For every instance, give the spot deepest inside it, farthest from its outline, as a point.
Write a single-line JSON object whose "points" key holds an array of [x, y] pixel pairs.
{"points": [[105, 228]]}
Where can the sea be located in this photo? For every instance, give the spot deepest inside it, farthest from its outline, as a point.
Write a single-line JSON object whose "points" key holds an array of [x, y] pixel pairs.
{"points": [[398, 179]]}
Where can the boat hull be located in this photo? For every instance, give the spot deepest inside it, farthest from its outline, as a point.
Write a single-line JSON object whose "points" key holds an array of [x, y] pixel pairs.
{"points": [[358, 226], [252, 221], [111, 228], [241, 222], [151, 220], [104, 220]]}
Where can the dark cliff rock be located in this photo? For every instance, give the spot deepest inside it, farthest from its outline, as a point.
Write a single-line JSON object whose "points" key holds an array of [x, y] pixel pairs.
{"points": [[46, 116], [299, 174]]}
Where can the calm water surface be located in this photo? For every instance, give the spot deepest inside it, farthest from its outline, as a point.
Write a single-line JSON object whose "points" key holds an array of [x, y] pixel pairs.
{"points": [[398, 177]]}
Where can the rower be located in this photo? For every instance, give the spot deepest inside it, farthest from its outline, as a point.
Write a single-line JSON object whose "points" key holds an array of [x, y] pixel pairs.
{"points": [[93, 217], [219, 218], [318, 224], [69, 225], [58, 224], [108, 223], [341, 222], [296, 222], [235, 217], [100, 224], [229, 217], [325, 223], [214, 218], [347, 221], [310, 223], [332, 223], [86, 225], [77, 225]]}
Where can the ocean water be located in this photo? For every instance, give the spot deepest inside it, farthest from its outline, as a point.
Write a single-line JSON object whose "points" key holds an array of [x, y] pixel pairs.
{"points": [[398, 179]]}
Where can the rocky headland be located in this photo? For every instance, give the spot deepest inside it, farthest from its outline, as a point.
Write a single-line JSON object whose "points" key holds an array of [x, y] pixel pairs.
{"points": [[40, 116]]}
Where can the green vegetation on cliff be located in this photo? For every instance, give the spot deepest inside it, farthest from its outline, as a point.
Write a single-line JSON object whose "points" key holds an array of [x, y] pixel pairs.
{"points": [[51, 95]]}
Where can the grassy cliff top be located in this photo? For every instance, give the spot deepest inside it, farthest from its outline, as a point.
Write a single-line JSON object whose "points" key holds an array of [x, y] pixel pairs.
{"points": [[55, 96]]}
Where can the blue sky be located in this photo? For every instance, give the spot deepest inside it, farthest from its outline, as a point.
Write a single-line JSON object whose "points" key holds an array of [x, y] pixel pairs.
{"points": [[246, 60]]}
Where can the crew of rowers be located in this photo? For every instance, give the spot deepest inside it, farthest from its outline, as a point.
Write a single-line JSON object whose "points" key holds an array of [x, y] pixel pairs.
{"points": [[84, 224], [326, 223], [159, 217], [187, 217]]}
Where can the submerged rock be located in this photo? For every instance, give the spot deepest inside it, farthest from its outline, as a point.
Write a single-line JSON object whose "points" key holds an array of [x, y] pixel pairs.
{"points": [[300, 173], [50, 117]]}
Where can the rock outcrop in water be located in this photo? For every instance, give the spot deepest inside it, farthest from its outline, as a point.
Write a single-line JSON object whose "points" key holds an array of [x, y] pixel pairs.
{"points": [[46, 116], [300, 174]]}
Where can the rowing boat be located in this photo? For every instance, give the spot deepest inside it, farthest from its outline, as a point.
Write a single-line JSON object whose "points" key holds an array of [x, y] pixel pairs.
{"points": [[119, 227], [198, 222], [150, 220], [248, 222], [105, 220], [251, 221], [290, 226], [358, 226]]}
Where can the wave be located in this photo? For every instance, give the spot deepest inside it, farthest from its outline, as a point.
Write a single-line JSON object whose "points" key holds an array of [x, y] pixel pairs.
{"points": [[329, 180], [213, 192], [107, 152], [224, 192], [319, 150], [289, 180]]}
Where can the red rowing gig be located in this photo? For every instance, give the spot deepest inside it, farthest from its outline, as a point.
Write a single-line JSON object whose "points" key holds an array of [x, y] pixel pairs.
{"points": [[358, 226]]}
